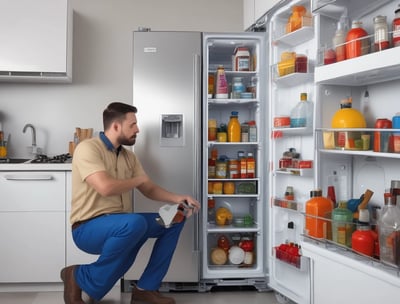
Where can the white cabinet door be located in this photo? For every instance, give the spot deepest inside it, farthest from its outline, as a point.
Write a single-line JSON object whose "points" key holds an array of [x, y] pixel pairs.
{"points": [[74, 254], [263, 6], [35, 39], [32, 226]]}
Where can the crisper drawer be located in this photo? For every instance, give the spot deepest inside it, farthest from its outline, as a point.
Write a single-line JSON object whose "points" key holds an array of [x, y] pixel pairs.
{"points": [[32, 191]]}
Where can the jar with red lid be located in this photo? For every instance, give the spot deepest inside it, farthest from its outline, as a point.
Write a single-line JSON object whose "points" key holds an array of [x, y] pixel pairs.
{"points": [[357, 41]]}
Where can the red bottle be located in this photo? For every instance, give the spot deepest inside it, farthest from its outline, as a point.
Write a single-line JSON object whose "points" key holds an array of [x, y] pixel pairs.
{"points": [[356, 45], [363, 239], [396, 28]]}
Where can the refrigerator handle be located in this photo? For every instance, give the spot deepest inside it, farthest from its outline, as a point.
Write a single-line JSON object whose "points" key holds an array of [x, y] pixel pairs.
{"points": [[197, 142]]}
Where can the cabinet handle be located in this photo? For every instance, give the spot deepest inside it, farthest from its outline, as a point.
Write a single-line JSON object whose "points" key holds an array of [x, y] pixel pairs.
{"points": [[28, 178]]}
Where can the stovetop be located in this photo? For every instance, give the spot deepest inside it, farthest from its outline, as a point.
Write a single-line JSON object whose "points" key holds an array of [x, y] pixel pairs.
{"points": [[57, 159]]}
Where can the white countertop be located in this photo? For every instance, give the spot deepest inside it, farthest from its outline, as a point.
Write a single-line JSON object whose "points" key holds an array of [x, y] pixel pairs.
{"points": [[36, 167]]}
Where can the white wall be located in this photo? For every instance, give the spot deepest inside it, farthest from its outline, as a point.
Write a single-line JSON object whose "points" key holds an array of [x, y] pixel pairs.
{"points": [[102, 65]]}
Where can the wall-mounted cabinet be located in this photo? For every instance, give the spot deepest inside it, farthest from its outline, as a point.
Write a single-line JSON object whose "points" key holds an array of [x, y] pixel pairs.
{"points": [[36, 41]]}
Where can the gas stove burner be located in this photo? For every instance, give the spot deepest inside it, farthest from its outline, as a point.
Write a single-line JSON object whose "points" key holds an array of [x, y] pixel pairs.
{"points": [[58, 159]]}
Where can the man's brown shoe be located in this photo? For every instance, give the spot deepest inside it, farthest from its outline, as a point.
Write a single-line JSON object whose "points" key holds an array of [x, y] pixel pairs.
{"points": [[72, 291], [149, 297]]}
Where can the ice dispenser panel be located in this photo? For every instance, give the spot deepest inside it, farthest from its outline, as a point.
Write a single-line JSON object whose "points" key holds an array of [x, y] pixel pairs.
{"points": [[172, 130]]}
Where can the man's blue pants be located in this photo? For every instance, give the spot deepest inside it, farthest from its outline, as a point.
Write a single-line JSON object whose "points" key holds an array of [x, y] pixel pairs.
{"points": [[117, 238]]}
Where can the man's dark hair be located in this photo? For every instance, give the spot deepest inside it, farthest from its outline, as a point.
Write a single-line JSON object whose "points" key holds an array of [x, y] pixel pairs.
{"points": [[116, 111]]}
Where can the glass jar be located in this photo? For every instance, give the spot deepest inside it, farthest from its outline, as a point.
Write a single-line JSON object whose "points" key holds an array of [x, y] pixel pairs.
{"points": [[342, 226], [381, 33]]}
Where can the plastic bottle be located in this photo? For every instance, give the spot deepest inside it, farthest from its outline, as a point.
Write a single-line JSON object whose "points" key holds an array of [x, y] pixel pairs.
{"points": [[302, 113], [242, 164], [221, 90], [396, 28], [389, 232], [234, 128], [237, 87], [356, 45], [339, 39], [363, 239], [342, 226], [252, 131], [211, 210], [318, 207]]}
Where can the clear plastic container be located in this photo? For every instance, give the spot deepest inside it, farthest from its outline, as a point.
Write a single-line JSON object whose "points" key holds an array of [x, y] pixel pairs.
{"points": [[342, 226], [389, 232], [302, 113]]}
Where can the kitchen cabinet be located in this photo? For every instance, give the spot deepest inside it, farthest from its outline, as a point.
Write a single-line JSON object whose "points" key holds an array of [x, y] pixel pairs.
{"points": [[32, 226], [36, 39], [254, 10], [73, 254]]}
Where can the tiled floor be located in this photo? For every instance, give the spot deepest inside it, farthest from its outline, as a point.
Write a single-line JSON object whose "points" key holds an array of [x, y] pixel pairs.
{"points": [[115, 296]]}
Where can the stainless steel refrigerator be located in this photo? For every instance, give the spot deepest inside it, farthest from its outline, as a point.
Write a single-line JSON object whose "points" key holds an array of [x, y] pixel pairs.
{"points": [[167, 93]]}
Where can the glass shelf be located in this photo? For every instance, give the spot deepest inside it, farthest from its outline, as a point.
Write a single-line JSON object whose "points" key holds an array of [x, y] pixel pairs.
{"points": [[295, 38]]}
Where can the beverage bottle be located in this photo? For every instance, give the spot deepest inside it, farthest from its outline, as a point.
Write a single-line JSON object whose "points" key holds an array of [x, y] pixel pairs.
{"points": [[237, 87], [356, 45], [396, 28], [302, 113], [363, 240], [221, 90], [234, 128], [389, 232], [342, 226], [250, 166], [339, 39], [318, 208]]}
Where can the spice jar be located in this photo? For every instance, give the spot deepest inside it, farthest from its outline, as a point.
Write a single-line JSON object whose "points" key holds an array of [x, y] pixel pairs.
{"points": [[381, 33]]}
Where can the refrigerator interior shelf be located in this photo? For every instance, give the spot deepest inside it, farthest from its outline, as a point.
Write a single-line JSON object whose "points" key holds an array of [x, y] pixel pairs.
{"points": [[287, 204], [296, 172], [242, 143], [232, 195], [348, 252], [244, 267], [355, 8], [298, 262], [368, 69], [280, 132], [361, 153], [295, 38], [225, 101], [213, 228], [294, 79]]}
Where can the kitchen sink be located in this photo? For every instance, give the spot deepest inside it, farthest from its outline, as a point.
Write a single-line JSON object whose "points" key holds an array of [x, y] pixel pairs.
{"points": [[14, 160]]}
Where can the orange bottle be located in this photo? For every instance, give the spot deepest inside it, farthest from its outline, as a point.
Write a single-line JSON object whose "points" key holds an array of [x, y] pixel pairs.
{"points": [[318, 207], [234, 131], [356, 45]]}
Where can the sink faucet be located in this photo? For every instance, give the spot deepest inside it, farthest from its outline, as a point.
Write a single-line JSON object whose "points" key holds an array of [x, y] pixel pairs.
{"points": [[34, 148]]}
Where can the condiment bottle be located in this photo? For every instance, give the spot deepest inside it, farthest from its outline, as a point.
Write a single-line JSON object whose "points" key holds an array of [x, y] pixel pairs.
{"points": [[244, 129], [221, 90], [289, 193], [211, 210], [363, 239], [356, 45], [396, 28], [389, 232], [250, 166], [234, 128], [342, 226], [212, 129], [381, 33], [212, 163], [318, 208], [381, 139], [252, 131], [242, 164], [242, 59]]}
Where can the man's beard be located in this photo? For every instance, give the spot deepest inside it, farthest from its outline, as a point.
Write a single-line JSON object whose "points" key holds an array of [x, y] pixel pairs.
{"points": [[125, 141]]}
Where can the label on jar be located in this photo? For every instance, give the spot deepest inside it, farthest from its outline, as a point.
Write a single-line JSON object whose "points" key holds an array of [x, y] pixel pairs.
{"points": [[220, 170]]}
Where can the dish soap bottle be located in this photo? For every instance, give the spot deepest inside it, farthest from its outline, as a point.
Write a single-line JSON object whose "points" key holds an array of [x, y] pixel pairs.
{"points": [[234, 131], [302, 114]]}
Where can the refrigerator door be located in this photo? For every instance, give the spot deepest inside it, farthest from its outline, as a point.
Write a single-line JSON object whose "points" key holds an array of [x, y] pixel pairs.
{"points": [[238, 196], [291, 57], [166, 91]]}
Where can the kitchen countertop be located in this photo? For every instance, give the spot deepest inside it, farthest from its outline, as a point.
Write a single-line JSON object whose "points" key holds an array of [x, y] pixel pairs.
{"points": [[37, 167]]}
